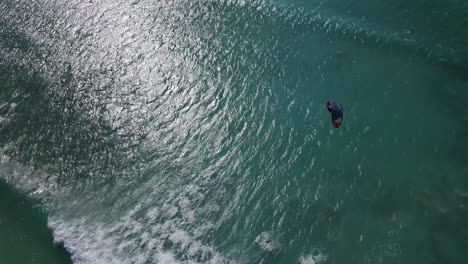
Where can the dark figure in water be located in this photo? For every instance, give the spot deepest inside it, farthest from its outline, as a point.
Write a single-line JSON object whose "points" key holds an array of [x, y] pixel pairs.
{"points": [[336, 111]]}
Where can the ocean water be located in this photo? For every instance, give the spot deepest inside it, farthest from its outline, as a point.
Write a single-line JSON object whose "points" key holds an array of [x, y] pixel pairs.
{"points": [[196, 131]]}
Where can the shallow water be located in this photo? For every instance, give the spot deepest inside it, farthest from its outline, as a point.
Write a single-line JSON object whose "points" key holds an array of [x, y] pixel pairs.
{"points": [[186, 131]]}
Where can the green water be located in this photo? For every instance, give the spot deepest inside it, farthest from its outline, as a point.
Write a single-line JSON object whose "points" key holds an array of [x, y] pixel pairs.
{"points": [[25, 237], [196, 131]]}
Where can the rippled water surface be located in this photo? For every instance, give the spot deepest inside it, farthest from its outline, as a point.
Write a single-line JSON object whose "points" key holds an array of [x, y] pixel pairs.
{"points": [[196, 131]]}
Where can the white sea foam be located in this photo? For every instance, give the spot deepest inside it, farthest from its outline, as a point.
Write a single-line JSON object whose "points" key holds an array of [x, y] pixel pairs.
{"points": [[314, 258], [143, 235], [146, 233], [102, 245]]}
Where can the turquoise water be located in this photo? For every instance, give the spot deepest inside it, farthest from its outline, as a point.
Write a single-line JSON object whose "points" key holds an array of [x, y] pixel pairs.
{"points": [[197, 132]]}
